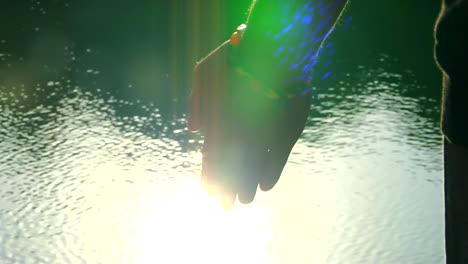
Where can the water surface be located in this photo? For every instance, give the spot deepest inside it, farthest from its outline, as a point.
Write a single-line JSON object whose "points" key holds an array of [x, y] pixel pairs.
{"points": [[89, 177]]}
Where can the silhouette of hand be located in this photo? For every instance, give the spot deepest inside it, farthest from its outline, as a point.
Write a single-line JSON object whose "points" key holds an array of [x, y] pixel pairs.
{"points": [[251, 98], [249, 131]]}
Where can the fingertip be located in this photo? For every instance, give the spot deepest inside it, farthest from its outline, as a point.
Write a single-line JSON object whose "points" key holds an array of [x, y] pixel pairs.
{"points": [[209, 188], [217, 187], [267, 185], [246, 197], [277, 159], [193, 124], [272, 176], [247, 188], [227, 201]]}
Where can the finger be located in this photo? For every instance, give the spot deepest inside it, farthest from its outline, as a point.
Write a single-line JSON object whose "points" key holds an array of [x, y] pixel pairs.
{"points": [[251, 114], [255, 145], [205, 82], [216, 180], [252, 167], [194, 121], [288, 128], [206, 111], [276, 160], [213, 158], [219, 164], [249, 178]]}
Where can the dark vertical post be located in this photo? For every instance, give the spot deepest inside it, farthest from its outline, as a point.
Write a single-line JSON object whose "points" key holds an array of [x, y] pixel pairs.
{"points": [[456, 203], [451, 54]]}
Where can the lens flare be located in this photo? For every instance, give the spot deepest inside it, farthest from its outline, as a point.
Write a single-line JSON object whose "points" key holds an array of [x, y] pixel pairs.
{"points": [[171, 222]]}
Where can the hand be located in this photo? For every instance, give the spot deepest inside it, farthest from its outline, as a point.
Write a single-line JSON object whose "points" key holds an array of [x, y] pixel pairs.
{"points": [[249, 133], [251, 122]]}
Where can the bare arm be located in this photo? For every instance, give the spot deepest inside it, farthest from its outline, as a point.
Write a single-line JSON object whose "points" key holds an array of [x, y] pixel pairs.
{"points": [[286, 36]]}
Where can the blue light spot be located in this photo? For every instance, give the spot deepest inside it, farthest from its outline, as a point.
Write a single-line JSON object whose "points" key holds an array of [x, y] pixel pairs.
{"points": [[307, 19], [314, 57], [282, 62], [306, 68], [326, 75], [318, 40], [286, 29], [323, 11], [312, 64], [321, 25], [278, 51], [306, 57], [277, 36], [297, 16], [306, 91]]}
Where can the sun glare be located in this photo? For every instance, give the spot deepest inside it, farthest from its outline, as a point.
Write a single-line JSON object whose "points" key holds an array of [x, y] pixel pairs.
{"points": [[188, 226], [168, 221]]}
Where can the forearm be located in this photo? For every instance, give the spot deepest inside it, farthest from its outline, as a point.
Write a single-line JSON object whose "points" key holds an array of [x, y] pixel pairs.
{"points": [[288, 34], [265, 9]]}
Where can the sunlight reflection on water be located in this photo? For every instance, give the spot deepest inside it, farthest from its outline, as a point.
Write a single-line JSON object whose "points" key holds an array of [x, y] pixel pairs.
{"points": [[90, 178], [180, 225]]}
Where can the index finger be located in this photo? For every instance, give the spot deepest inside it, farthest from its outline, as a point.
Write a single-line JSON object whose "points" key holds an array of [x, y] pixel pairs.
{"points": [[205, 76]]}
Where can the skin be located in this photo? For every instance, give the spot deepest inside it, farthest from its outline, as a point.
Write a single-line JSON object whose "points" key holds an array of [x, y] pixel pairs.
{"points": [[241, 101]]}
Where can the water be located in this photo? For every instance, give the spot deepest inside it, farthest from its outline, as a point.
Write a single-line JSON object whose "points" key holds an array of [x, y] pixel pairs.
{"points": [[96, 165], [87, 177]]}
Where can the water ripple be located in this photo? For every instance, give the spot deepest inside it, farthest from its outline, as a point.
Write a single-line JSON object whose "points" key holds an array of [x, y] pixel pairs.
{"points": [[82, 172]]}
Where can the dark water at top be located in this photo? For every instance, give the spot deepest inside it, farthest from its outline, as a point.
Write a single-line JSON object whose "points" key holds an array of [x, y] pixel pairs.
{"points": [[96, 165]]}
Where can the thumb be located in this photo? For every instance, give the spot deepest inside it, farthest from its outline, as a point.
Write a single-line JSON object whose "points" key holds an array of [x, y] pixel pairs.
{"points": [[194, 120]]}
